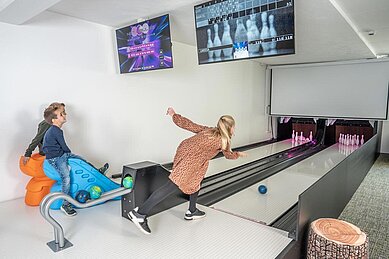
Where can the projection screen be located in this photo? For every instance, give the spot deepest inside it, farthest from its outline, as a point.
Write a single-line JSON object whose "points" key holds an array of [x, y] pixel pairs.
{"points": [[339, 90]]}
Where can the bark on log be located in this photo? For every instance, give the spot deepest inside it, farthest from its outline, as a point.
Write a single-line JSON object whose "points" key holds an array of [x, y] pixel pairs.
{"points": [[333, 238]]}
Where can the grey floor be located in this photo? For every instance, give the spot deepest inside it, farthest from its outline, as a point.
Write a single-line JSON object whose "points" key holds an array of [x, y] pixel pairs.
{"points": [[369, 208]]}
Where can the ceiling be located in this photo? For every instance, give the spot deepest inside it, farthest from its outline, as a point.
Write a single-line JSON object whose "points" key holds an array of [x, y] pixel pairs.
{"points": [[326, 30]]}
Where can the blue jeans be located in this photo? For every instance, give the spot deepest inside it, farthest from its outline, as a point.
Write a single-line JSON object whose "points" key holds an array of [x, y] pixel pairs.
{"points": [[60, 164]]}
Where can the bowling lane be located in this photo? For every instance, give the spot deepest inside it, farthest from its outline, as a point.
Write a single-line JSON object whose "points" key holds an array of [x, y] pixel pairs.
{"points": [[283, 188], [222, 164]]}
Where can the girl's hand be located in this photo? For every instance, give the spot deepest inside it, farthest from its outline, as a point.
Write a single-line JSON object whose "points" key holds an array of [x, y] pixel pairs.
{"points": [[170, 111], [242, 154]]}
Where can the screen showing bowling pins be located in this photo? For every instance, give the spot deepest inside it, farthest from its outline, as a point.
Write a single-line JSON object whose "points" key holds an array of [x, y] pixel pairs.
{"points": [[145, 46], [237, 29]]}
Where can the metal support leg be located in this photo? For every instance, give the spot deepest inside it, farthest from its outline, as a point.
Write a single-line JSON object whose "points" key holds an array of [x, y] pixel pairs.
{"points": [[60, 242]]}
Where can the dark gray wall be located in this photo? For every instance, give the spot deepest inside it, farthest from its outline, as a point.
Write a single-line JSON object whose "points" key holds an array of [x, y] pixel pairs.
{"points": [[331, 193]]}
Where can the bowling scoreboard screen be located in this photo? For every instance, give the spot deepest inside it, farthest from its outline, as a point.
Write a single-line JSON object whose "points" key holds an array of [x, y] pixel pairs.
{"points": [[145, 45], [239, 29]]}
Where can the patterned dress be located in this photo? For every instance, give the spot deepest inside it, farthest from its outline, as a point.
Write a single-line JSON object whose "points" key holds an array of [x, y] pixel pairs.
{"points": [[193, 154]]}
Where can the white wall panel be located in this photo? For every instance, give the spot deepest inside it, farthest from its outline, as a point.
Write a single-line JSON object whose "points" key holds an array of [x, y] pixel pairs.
{"points": [[112, 118]]}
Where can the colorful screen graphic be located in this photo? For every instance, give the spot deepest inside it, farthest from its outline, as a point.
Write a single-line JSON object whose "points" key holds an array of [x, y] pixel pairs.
{"points": [[145, 46], [238, 29]]}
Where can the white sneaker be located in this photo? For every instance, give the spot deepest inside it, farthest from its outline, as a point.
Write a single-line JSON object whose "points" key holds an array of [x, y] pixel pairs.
{"points": [[139, 220], [197, 214]]}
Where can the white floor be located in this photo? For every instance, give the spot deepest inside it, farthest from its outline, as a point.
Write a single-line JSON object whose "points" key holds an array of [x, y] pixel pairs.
{"points": [[101, 232]]}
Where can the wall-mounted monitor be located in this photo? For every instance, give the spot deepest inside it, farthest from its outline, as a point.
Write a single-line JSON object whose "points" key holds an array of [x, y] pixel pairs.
{"points": [[239, 29], [145, 45]]}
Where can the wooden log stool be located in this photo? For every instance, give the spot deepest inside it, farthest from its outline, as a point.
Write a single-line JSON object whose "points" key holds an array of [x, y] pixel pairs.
{"points": [[333, 238]]}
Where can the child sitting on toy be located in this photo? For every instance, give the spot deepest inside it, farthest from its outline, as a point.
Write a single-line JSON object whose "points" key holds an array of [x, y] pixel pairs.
{"points": [[37, 141], [57, 152]]}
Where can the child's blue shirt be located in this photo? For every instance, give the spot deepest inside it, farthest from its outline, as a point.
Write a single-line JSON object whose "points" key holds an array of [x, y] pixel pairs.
{"points": [[54, 143]]}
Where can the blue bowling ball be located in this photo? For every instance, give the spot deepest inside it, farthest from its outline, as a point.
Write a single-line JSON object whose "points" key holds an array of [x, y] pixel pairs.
{"points": [[82, 196], [262, 189]]}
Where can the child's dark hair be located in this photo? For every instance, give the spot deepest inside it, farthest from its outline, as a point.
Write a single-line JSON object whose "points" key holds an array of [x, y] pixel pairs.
{"points": [[57, 105], [49, 113]]}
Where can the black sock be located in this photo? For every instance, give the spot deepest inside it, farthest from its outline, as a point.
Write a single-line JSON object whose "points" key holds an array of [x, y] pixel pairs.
{"points": [[192, 201]]}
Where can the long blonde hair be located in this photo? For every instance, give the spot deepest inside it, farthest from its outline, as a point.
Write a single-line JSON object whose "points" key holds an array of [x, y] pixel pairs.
{"points": [[224, 130]]}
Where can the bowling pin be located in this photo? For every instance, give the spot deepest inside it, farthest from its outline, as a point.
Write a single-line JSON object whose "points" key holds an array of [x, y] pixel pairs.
{"points": [[252, 35], [216, 41], [301, 136], [240, 40], [209, 44], [241, 32], [310, 136], [362, 140], [293, 135], [226, 40], [248, 25], [357, 141], [340, 138], [265, 34], [273, 34]]}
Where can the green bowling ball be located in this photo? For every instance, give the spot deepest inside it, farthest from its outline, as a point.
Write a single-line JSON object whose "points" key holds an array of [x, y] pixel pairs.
{"points": [[128, 182], [95, 192]]}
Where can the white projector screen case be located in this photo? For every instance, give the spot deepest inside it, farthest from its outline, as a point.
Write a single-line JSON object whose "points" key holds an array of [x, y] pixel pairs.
{"points": [[350, 91]]}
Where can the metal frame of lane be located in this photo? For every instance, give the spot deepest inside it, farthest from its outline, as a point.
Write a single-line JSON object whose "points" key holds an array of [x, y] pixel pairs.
{"points": [[60, 242]]}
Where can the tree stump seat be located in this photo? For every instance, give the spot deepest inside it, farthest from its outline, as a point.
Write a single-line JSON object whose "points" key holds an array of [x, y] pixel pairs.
{"points": [[333, 238]]}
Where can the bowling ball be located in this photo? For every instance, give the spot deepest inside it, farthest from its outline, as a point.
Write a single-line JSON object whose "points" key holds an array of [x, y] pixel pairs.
{"points": [[262, 189], [95, 192], [128, 182], [82, 196]]}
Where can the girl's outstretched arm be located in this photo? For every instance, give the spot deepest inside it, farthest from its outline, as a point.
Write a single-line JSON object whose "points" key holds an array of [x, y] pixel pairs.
{"points": [[185, 123]]}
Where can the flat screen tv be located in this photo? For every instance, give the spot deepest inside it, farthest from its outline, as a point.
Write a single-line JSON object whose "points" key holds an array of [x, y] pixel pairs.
{"points": [[229, 30], [145, 45]]}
